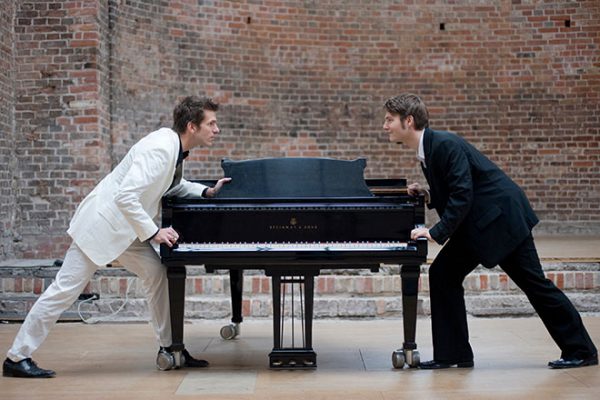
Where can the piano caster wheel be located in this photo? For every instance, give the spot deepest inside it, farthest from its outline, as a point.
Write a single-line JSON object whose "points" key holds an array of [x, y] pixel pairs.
{"points": [[416, 360], [410, 357], [165, 360], [231, 331], [413, 358], [398, 359]]}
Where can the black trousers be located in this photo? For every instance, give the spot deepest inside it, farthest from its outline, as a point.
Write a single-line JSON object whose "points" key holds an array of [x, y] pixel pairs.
{"points": [[448, 314]]}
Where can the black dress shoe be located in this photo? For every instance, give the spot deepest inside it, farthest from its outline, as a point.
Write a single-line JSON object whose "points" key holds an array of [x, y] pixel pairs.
{"points": [[26, 368], [571, 362], [443, 364], [192, 362]]}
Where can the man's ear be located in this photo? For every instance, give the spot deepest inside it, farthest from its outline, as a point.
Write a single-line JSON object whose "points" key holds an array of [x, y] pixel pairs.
{"points": [[189, 127]]}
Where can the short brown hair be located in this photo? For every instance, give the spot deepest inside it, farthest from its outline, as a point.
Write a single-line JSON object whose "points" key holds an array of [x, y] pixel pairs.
{"points": [[409, 104], [191, 109]]}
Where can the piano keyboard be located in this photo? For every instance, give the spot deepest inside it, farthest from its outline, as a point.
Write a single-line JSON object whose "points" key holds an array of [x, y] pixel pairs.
{"points": [[295, 246]]}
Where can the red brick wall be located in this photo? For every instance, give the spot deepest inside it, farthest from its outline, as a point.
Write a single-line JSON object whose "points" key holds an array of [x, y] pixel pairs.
{"points": [[306, 79], [309, 79], [8, 233], [61, 137]]}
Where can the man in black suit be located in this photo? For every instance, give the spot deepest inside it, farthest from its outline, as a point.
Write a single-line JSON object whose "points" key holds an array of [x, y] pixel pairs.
{"points": [[485, 218]]}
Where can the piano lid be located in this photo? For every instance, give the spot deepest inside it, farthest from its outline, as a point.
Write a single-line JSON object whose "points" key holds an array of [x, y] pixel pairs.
{"points": [[294, 177]]}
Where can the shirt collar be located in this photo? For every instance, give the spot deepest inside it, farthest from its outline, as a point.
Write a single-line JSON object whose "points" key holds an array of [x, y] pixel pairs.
{"points": [[421, 150]]}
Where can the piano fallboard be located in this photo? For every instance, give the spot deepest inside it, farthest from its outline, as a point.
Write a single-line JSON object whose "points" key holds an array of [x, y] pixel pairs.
{"points": [[373, 219]]}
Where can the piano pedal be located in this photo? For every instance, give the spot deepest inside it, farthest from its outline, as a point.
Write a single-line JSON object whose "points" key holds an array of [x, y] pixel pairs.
{"points": [[231, 331], [298, 358], [308, 363]]}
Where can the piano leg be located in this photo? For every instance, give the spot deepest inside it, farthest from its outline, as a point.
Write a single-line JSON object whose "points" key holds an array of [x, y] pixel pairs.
{"points": [[176, 276], [293, 357], [236, 281], [276, 289], [309, 285], [410, 288]]}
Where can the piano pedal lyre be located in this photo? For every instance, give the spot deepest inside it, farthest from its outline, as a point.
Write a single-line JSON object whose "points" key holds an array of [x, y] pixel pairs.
{"points": [[293, 355]]}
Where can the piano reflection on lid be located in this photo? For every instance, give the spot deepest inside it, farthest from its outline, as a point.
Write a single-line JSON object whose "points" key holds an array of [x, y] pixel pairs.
{"points": [[293, 217]]}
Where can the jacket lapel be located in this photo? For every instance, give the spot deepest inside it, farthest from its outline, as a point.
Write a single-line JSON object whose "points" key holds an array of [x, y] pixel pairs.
{"points": [[427, 136]]}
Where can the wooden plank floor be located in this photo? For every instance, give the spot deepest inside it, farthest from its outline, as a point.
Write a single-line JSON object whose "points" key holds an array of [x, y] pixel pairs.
{"points": [[116, 361]]}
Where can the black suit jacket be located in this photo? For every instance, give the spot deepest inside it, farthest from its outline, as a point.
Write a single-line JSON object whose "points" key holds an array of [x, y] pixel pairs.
{"points": [[476, 201]]}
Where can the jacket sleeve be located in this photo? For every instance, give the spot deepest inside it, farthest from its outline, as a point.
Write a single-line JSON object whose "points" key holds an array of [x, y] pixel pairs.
{"points": [[187, 189], [454, 169], [147, 170]]}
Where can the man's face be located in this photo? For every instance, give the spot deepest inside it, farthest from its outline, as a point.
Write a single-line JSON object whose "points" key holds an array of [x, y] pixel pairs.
{"points": [[395, 127], [204, 134]]}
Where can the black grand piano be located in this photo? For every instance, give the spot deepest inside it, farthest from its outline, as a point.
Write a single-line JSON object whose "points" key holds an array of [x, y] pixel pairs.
{"points": [[292, 218]]}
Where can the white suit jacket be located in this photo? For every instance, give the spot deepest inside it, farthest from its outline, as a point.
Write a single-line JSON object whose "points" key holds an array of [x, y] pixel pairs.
{"points": [[123, 205]]}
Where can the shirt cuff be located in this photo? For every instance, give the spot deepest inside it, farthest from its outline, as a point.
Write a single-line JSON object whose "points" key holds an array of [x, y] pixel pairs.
{"points": [[152, 237], [438, 233]]}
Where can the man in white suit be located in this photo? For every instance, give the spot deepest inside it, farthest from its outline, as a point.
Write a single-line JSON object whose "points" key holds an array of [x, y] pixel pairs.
{"points": [[115, 222]]}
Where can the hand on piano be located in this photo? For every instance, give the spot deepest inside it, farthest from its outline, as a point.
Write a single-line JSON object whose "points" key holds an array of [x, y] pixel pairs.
{"points": [[168, 236], [420, 232], [211, 192], [414, 189]]}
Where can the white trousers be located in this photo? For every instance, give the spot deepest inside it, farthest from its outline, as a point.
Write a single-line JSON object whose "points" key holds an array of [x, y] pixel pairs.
{"points": [[71, 279]]}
